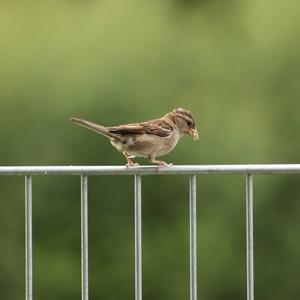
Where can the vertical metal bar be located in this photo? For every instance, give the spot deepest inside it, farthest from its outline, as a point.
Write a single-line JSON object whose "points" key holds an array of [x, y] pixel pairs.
{"points": [[28, 236], [193, 238], [138, 235], [249, 230], [84, 238]]}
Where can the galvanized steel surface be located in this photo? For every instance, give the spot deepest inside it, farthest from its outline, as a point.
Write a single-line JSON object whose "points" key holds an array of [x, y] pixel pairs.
{"points": [[150, 170], [192, 170], [84, 238], [138, 235], [249, 237], [193, 238], [28, 237]]}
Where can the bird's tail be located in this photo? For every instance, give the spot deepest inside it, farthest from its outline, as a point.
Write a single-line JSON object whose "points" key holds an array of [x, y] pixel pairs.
{"points": [[95, 127]]}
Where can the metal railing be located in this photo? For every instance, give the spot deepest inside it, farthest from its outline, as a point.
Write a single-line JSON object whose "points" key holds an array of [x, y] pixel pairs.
{"points": [[138, 172]]}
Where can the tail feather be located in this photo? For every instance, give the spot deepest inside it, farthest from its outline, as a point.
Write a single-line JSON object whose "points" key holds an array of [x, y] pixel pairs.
{"points": [[95, 127]]}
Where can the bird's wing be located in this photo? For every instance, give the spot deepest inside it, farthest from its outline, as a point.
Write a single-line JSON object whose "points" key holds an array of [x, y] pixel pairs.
{"points": [[155, 127]]}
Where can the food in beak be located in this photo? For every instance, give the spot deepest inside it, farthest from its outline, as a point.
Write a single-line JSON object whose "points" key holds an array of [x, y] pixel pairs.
{"points": [[193, 133]]}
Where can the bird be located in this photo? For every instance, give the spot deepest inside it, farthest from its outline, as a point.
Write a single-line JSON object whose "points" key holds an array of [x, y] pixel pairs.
{"points": [[149, 139]]}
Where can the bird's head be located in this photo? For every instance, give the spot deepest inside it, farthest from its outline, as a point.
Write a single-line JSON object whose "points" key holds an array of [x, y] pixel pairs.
{"points": [[185, 122]]}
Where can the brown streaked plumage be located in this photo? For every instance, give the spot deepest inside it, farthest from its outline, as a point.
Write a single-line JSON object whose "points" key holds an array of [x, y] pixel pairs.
{"points": [[149, 139]]}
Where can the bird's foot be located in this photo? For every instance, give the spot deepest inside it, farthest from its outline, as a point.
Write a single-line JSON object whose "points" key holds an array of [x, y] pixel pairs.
{"points": [[130, 163], [161, 163]]}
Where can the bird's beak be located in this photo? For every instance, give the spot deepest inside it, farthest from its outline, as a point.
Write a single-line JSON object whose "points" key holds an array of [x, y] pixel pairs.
{"points": [[193, 133]]}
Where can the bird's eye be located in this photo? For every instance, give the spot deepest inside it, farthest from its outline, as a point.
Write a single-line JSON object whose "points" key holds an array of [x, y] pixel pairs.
{"points": [[189, 123]]}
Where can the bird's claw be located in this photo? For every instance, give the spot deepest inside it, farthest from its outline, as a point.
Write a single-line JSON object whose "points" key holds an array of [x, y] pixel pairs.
{"points": [[162, 164], [131, 164]]}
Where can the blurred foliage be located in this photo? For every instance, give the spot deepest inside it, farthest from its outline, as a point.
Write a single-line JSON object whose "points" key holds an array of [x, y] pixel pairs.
{"points": [[235, 64]]}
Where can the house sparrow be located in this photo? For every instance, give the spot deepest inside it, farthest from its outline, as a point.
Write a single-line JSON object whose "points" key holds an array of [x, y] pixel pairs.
{"points": [[147, 139]]}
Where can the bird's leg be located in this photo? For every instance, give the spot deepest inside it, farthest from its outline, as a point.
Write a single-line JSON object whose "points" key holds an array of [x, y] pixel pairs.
{"points": [[130, 163], [160, 163]]}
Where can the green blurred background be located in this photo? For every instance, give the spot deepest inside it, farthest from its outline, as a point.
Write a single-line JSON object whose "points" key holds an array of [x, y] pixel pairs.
{"points": [[234, 64]]}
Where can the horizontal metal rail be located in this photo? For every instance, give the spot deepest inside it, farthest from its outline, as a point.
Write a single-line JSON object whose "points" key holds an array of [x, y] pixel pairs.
{"points": [[152, 170]]}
